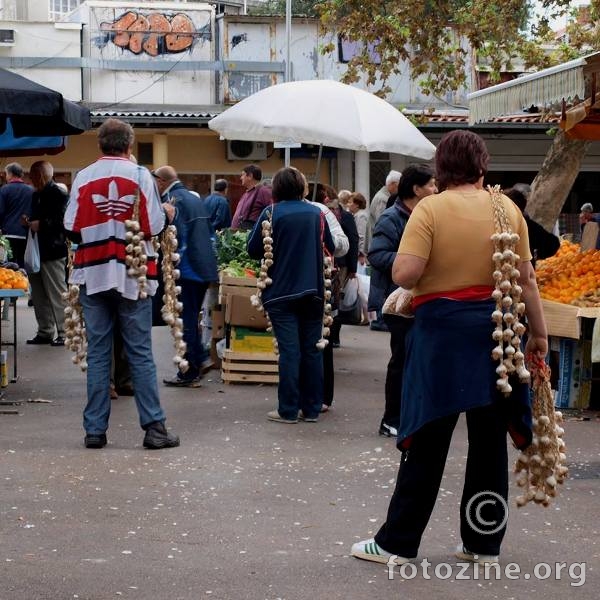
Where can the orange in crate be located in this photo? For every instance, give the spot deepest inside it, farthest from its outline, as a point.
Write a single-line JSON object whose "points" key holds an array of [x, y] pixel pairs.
{"points": [[570, 276]]}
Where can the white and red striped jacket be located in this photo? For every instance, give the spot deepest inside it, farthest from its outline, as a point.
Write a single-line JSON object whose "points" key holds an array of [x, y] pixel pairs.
{"points": [[102, 199]]}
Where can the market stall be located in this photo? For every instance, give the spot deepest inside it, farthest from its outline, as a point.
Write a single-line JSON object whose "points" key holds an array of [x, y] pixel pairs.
{"points": [[13, 285], [248, 355], [570, 288]]}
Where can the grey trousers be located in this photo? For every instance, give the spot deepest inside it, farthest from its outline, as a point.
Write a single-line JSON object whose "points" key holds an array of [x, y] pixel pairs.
{"points": [[47, 288]]}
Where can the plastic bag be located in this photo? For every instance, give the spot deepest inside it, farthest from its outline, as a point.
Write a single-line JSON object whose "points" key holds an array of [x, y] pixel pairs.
{"points": [[349, 293], [399, 303], [350, 308], [32, 253]]}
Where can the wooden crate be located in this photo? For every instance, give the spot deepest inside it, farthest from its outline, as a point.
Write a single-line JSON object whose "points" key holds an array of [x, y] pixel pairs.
{"points": [[236, 286], [250, 367]]}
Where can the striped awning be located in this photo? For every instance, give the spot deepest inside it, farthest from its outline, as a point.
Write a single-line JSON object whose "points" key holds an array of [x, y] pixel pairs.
{"points": [[538, 89]]}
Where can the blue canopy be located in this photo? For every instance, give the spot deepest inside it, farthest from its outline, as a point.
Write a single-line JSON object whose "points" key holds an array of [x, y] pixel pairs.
{"points": [[29, 146]]}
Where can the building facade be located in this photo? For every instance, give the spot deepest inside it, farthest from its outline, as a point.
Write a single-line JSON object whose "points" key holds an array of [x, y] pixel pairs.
{"points": [[168, 67]]}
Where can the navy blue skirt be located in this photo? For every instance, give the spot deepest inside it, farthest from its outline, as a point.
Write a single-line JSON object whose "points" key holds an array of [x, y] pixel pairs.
{"points": [[449, 369]]}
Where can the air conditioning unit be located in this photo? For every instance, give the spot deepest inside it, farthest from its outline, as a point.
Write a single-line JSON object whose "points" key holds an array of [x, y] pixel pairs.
{"points": [[7, 37], [248, 151]]}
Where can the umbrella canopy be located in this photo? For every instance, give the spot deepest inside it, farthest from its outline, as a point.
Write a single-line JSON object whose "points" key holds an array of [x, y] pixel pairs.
{"points": [[323, 112], [35, 110], [29, 146]]}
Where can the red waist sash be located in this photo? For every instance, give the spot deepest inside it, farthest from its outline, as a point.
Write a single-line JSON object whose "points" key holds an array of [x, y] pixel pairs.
{"points": [[474, 292]]}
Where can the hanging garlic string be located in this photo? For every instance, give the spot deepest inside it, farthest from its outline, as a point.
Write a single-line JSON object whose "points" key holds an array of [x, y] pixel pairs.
{"points": [[542, 465], [507, 294], [327, 318], [172, 306], [75, 334], [263, 279], [136, 258]]}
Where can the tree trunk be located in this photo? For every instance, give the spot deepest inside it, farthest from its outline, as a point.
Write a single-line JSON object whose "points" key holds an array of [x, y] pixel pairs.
{"points": [[555, 179]]}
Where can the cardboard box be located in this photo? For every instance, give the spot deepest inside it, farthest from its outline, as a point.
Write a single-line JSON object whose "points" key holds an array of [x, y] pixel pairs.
{"points": [[239, 311], [575, 373], [564, 320], [243, 339], [213, 354], [217, 315]]}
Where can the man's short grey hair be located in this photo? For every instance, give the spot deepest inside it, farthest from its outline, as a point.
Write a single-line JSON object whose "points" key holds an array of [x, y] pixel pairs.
{"points": [[393, 177], [115, 137], [15, 169], [587, 207]]}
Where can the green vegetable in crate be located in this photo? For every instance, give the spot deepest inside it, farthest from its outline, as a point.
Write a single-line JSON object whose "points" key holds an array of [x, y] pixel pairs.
{"points": [[232, 257]]}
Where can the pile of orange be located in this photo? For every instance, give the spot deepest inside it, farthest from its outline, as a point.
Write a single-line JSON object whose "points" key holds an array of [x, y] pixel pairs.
{"points": [[570, 276], [13, 280]]}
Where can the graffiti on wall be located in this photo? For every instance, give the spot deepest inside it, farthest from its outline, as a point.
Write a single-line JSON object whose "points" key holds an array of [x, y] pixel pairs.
{"points": [[154, 33]]}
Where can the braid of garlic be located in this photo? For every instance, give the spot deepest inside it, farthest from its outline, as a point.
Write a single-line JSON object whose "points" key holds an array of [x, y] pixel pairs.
{"points": [[75, 336], [507, 294], [327, 318], [542, 465], [172, 307], [263, 279], [136, 258]]}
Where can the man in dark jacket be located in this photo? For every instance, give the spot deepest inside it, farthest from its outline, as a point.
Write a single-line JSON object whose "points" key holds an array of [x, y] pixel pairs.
{"points": [[198, 267], [15, 201], [48, 285], [217, 206]]}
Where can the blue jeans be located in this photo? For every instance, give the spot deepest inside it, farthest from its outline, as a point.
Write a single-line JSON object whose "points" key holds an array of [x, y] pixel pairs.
{"points": [[297, 326], [192, 296], [135, 319]]}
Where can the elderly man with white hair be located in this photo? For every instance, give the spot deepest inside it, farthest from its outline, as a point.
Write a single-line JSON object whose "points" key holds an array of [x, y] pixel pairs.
{"points": [[379, 201]]}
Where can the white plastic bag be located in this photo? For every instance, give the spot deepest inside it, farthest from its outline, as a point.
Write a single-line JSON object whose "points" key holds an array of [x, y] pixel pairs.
{"points": [[399, 303], [364, 286], [32, 253], [349, 294]]}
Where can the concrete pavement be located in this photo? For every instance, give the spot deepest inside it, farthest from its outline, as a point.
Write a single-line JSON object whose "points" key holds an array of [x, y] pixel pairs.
{"points": [[245, 508]]}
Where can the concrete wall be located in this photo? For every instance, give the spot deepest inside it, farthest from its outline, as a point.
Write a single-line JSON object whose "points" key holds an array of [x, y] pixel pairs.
{"points": [[264, 39], [44, 41], [143, 76]]}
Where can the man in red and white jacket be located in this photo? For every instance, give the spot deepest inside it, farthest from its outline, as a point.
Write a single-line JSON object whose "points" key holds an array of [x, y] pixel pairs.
{"points": [[103, 197]]}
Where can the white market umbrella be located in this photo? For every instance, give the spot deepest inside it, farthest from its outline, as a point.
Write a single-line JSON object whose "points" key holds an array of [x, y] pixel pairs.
{"points": [[324, 113]]}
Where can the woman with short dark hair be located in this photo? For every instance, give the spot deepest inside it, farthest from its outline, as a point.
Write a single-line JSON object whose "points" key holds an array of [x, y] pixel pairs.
{"points": [[466, 293], [295, 294]]}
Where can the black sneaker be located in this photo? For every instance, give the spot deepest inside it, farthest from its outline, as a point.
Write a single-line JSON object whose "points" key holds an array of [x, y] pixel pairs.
{"points": [[95, 440], [38, 340], [158, 437], [196, 382], [59, 341]]}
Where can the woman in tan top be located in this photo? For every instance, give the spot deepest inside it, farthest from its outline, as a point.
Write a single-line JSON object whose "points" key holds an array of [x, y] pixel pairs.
{"points": [[449, 257]]}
